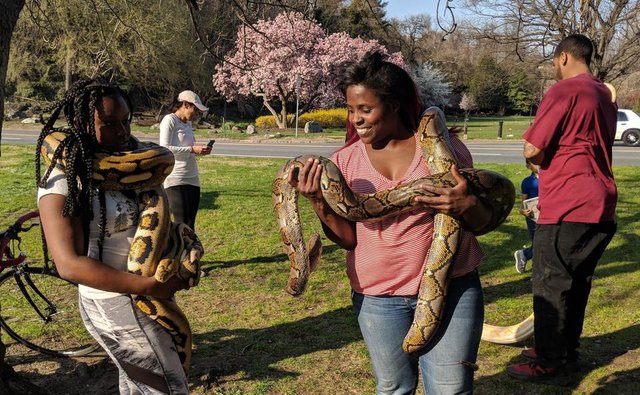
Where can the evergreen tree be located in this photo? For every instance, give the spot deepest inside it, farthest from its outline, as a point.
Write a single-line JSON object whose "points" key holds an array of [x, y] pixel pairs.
{"points": [[489, 86], [522, 92], [367, 19]]}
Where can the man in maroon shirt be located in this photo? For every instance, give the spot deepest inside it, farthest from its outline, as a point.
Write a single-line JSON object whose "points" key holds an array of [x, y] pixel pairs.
{"points": [[571, 139]]}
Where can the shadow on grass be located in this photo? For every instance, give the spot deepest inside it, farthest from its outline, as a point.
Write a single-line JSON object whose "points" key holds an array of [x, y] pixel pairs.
{"points": [[520, 287], [71, 376], [620, 382], [596, 352], [247, 354], [624, 251], [250, 354], [208, 200], [208, 266]]}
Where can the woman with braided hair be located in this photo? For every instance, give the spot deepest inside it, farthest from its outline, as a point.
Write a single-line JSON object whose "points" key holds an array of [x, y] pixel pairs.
{"points": [[89, 230]]}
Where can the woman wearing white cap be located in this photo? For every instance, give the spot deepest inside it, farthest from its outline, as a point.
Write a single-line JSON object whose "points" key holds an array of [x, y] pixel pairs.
{"points": [[176, 133]]}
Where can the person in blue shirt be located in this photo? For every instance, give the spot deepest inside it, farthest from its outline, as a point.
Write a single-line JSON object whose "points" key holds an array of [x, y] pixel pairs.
{"points": [[529, 189]]}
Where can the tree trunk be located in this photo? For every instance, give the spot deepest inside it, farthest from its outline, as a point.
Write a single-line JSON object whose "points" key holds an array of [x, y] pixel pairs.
{"points": [[68, 69], [281, 124], [283, 112], [9, 12]]}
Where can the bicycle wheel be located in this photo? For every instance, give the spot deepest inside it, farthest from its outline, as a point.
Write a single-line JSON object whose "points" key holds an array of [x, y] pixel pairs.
{"points": [[63, 333]]}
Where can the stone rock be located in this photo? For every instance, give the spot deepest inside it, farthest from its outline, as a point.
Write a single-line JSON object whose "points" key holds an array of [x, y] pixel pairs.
{"points": [[312, 127], [30, 120], [17, 114], [235, 129], [155, 126], [251, 129]]}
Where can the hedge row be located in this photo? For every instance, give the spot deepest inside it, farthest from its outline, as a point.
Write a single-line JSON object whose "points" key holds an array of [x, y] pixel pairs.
{"points": [[329, 118]]}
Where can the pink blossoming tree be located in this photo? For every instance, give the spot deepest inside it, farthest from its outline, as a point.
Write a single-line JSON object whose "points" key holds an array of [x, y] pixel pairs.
{"points": [[268, 58]]}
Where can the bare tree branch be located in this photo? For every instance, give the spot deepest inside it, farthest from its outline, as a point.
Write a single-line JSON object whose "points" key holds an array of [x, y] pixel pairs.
{"points": [[536, 25]]}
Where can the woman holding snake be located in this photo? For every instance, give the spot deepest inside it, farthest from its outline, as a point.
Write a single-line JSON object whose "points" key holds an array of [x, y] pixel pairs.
{"points": [[89, 231], [385, 259]]}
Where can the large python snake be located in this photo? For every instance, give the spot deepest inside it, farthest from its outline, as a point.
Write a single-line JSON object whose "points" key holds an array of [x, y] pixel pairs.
{"points": [[160, 248], [496, 192]]}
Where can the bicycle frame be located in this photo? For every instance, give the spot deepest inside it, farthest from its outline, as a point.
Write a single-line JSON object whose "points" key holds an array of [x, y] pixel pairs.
{"points": [[30, 283], [51, 308]]}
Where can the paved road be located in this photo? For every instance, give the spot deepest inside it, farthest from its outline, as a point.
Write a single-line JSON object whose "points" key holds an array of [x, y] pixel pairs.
{"points": [[483, 152]]}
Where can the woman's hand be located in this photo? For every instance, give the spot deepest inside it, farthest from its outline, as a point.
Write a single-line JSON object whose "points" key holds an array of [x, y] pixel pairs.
{"points": [[452, 201], [459, 202], [167, 289], [307, 181], [201, 149]]}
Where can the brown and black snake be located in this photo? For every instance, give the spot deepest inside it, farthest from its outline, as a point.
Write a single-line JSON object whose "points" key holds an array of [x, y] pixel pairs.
{"points": [[160, 248], [496, 192]]}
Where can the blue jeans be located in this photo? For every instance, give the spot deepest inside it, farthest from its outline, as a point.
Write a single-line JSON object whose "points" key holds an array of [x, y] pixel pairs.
{"points": [[447, 363]]}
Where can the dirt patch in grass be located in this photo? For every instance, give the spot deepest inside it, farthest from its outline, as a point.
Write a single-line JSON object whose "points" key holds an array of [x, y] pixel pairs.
{"points": [[73, 376]]}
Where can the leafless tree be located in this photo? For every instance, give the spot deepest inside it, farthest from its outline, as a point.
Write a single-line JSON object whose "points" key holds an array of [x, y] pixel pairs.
{"points": [[538, 25]]}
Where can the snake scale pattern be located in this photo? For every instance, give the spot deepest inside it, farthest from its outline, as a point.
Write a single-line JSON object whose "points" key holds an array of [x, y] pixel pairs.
{"points": [[160, 248], [496, 192]]}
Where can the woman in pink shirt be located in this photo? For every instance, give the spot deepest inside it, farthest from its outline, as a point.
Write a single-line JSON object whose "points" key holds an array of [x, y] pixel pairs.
{"points": [[385, 259]]}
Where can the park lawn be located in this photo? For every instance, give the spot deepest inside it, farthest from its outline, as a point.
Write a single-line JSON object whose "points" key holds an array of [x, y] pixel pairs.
{"points": [[477, 128], [253, 338]]}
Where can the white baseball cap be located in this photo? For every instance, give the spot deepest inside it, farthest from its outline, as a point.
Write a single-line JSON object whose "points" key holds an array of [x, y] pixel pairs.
{"points": [[191, 97]]}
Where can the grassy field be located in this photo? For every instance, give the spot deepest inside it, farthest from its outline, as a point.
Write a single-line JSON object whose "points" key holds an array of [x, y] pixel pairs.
{"points": [[478, 128], [253, 338]]}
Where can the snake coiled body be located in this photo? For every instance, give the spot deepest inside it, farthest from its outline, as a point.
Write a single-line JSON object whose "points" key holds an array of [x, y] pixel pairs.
{"points": [[495, 191], [160, 248]]}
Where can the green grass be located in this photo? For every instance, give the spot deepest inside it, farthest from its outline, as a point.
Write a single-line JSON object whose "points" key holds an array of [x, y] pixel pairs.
{"points": [[478, 128], [253, 338]]}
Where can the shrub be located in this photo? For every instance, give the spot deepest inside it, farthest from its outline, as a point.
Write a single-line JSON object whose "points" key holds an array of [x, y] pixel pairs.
{"points": [[267, 121], [329, 118]]}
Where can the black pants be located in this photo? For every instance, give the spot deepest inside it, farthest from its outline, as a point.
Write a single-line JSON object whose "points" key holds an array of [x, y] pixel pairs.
{"points": [[565, 257], [184, 201]]}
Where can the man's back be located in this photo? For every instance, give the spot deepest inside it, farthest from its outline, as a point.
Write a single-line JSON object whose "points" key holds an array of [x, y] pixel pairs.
{"points": [[575, 127]]}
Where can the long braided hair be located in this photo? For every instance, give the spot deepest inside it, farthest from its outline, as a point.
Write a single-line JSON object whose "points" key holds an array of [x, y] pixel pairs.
{"points": [[76, 152]]}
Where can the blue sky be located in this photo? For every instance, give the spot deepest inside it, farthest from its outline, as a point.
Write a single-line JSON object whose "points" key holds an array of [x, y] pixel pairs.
{"points": [[403, 8]]}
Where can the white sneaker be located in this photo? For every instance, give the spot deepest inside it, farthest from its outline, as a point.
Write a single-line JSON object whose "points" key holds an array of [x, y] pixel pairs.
{"points": [[521, 261]]}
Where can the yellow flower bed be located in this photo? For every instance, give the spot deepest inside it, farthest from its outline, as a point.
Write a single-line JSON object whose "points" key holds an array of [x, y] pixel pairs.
{"points": [[327, 118]]}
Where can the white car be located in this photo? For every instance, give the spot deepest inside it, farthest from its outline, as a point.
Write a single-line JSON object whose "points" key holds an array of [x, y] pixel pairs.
{"points": [[628, 128]]}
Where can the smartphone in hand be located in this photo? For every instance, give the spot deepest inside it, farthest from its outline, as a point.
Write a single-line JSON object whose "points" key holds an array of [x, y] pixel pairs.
{"points": [[210, 143]]}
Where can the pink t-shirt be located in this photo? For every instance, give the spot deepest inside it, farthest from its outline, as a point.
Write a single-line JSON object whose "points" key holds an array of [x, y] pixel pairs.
{"points": [[390, 255], [575, 127]]}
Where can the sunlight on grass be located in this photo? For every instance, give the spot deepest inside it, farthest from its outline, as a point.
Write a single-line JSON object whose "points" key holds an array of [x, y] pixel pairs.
{"points": [[253, 338]]}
